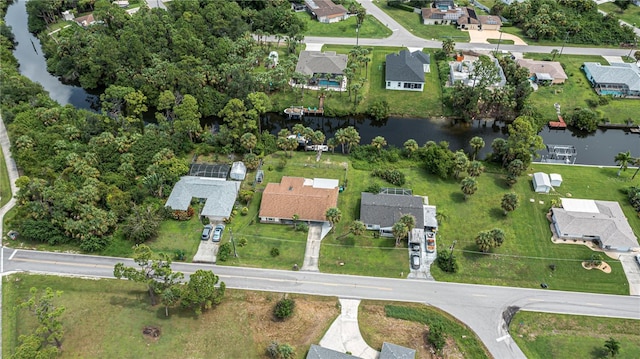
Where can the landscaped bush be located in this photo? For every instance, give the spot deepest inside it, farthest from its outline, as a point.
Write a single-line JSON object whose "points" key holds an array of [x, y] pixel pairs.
{"points": [[437, 335], [244, 211], [246, 195], [447, 262], [634, 198], [224, 252], [394, 177], [274, 252], [302, 227], [284, 308], [183, 215], [242, 242]]}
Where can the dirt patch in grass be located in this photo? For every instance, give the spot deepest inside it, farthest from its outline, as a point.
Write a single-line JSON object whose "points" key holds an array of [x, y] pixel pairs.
{"points": [[377, 328], [311, 318]]}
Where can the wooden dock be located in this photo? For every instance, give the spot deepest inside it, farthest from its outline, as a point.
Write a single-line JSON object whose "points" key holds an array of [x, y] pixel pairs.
{"points": [[558, 125], [296, 112]]}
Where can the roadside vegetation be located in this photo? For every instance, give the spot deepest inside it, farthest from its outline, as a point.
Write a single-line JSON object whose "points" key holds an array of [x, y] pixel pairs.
{"points": [[370, 27], [629, 13], [5, 185], [544, 335], [242, 326]]}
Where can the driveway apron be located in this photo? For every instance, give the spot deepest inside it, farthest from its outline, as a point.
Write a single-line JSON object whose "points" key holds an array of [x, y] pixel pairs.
{"points": [[344, 333]]}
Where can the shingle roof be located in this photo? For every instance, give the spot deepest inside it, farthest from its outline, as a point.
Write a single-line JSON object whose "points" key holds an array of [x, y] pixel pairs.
{"points": [[324, 8], [318, 352], [609, 224], [392, 351], [386, 209], [616, 73], [316, 62], [553, 68], [406, 66], [489, 20], [297, 195], [220, 195]]}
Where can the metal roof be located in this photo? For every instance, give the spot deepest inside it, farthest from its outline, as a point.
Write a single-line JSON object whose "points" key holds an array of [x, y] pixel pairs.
{"points": [[219, 195], [209, 170]]}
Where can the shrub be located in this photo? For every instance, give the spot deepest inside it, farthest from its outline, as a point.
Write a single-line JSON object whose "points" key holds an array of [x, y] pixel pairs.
{"points": [[373, 188], [246, 195], [224, 252], [242, 242], [274, 252], [437, 335], [302, 227], [447, 262], [244, 211], [394, 177], [284, 308], [179, 255], [634, 197], [379, 110], [183, 215]]}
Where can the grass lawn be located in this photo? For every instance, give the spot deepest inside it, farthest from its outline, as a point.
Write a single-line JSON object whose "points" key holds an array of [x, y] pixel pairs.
{"points": [[413, 23], [104, 319], [5, 184], [502, 42], [531, 42], [631, 15], [525, 257], [406, 324], [543, 335], [178, 235], [371, 27], [576, 91]]}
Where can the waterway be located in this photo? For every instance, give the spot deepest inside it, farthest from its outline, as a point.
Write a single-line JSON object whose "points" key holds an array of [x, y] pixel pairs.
{"points": [[598, 148]]}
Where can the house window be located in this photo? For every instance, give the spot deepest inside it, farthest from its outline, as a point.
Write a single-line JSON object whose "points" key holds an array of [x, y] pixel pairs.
{"points": [[399, 84], [418, 86], [388, 83]]}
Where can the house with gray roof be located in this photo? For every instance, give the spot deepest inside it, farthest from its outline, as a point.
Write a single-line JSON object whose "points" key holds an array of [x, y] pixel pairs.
{"points": [[318, 352], [393, 351], [405, 70], [218, 195], [601, 222], [617, 79], [322, 68], [380, 211]]}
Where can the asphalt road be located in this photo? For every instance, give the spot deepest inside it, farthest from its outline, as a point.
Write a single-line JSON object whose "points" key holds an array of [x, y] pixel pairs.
{"points": [[482, 308]]}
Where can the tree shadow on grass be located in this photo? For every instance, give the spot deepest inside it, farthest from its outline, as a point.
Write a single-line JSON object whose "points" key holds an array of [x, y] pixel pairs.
{"points": [[132, 299], [497, 214], [457, 197], [471, 256], [599, 352], [501, 182]]}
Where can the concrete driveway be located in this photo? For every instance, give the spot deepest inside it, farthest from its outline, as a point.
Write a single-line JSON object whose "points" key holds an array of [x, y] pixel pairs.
{"points": [[207, 251], [632, 271], [344, 334], [481, 36]]}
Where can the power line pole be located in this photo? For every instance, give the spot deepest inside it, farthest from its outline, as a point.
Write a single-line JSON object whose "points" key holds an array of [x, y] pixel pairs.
{"points": [[235, 253], [564, 42]]}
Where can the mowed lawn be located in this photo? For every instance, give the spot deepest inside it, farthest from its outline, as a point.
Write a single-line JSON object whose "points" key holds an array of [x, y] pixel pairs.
{"points": [[5, 185], [105, 318], [413, 23], [631, 15], [371, 27], [544, 335], [575, 92]]}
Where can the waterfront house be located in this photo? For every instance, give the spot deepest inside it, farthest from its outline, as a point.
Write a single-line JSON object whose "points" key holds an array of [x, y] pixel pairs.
{"points": [[544, 72], [307, 198], [617, 79], [324, 69], [405, 71]]}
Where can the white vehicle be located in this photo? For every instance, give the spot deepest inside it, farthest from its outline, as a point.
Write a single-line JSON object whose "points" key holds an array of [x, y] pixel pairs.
{"points": [[323, 148]]}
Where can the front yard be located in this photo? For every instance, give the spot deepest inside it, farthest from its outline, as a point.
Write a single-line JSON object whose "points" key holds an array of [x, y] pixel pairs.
{"points": [[371, 28]]}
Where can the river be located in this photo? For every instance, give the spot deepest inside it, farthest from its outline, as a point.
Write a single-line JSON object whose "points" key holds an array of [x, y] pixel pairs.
{"points": [[598, 148]]}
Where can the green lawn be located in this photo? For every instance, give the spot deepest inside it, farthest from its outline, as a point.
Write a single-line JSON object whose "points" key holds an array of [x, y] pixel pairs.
{"points": [[576, 91], [104, 319], [543, 335], [502, 42], [559, 43], [413, 23], [371, 28], [178, 235], [631, 15], [5, 184]]}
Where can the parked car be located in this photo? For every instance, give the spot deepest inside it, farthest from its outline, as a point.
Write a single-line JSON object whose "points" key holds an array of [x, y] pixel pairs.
{"points": [[415, 247], [430, 234], [217, 233], [206, 232], [415, 261], [638, 259], [431, 245]]}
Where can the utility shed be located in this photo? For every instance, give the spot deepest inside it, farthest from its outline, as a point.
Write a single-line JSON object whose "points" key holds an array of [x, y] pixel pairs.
{"points": [[238, 171], [541, 182], [556, 179]]}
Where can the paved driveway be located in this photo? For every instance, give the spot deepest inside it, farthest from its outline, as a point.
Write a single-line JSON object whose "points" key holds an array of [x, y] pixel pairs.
{"points": [[632, 271], [480, 37]]}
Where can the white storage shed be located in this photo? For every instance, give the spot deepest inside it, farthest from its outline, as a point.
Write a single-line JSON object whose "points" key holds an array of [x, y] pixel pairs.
{"points": [[238, 171], [556, 179], [541, 182]]}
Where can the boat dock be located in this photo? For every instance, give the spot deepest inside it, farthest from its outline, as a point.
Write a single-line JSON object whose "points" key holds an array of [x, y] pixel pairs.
{"points": [[296, 112], [558, 125]]}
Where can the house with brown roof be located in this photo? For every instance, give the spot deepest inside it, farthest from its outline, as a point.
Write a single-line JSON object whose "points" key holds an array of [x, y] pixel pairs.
{"points": [[326, 11], [307, 198], [547, 72], [85, 21]]}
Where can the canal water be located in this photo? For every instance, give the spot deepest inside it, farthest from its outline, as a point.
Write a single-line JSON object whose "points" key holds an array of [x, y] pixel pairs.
{"points": [[598, 148]]}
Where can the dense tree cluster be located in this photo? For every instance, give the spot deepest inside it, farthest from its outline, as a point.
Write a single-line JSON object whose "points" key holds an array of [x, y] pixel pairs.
{"points": [[577, 21]]}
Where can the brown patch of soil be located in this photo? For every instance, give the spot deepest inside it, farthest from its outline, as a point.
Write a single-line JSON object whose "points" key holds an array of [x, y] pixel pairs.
{"points": [[377, 328], [604, 267], [151, 332], [310, 319]]}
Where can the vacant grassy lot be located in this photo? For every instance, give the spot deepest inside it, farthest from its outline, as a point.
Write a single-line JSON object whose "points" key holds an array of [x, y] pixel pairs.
{"points": [[104, 319], [576, 91], [371, 28], [542, 335], [413, 23], [407, 325], [521, 34], [631, 15]]}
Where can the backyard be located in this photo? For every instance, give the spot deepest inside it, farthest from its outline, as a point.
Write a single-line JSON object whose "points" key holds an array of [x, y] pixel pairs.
{"points": [[545, 335]]}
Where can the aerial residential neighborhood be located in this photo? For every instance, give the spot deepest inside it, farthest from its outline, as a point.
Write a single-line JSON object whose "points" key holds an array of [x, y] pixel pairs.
{"points": [[320, 179]]}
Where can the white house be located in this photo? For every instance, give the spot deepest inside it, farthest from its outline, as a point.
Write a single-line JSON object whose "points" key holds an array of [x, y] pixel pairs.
{"points": [[405, 71], [541, 182]]}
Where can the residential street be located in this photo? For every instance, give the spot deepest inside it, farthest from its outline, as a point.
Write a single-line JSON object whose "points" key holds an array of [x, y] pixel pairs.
{"points": [[483, 308]]}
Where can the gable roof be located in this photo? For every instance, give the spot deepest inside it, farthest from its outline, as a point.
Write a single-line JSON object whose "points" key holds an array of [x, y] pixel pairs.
{"points": [[386, 209], [318, 352], [220, 195], [316, 62], [406, 66], [553, 68], [325, 8], [609, 224], [541, 178], [393, 351], [297, 195], [489, 20], [616, 73]]}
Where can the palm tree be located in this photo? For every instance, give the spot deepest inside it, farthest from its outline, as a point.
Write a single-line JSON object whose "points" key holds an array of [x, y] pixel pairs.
{"points": [[477, 143], [497, 236], [298, 129], [332, 143], [612, 346], [410, 146], [484, 241], [249, 141], [469, 186], [282, 141], [408, 220], [460, 163], [400, 231], [341, 137], [334, 215], [475, 169], [295, 219], [554, 53], [378, 142], [509, 202], [357, 228], [623, 159], [353, 137], [448, 46], [636, 162]]}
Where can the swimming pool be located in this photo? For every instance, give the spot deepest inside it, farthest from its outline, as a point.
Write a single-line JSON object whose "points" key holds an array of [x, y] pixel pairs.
{"points": [[330, 83]]}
